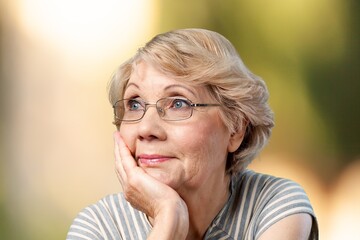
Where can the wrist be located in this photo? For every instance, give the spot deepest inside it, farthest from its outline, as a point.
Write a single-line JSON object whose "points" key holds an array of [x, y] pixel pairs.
{"points": [[171, 221]]}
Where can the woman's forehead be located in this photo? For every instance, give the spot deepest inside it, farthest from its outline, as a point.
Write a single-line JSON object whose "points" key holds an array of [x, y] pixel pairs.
{"points": [[145, 77]]}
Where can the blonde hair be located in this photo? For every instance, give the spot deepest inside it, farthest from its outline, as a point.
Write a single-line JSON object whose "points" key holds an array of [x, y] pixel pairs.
{"points": [[206, 58]]}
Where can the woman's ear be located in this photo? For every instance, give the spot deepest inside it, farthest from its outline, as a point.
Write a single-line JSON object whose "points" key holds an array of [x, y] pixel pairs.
{"points": [[237, 137]]}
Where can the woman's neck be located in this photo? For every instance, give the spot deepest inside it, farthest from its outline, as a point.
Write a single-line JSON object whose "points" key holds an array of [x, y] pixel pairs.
{"points": [[205, 203]]}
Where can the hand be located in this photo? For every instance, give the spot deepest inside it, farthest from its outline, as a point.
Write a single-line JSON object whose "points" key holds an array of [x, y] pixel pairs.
{"points": [[157, 200]]}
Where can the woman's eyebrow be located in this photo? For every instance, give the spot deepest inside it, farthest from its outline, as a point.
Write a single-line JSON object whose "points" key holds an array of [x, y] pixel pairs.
{"points": [[132, 84], [180, 86], [167, 88]]}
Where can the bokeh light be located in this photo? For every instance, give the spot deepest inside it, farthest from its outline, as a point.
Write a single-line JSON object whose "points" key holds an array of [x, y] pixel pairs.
{"points": [[59, 57]]}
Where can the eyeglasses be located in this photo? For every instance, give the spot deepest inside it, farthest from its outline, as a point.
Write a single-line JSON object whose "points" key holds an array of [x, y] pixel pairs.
{"points": [[169, 109]]}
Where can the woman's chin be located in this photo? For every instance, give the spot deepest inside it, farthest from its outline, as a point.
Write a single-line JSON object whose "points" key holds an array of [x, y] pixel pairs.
{"points": [[172, 180]]}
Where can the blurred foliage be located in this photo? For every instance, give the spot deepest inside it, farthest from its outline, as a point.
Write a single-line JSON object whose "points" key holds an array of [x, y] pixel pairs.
{"points": [[308, 53], [8, 227], [334, 85]]}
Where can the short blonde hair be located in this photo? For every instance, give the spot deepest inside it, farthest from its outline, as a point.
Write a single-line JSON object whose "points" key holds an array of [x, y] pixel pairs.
{"points": [[206, 58]]}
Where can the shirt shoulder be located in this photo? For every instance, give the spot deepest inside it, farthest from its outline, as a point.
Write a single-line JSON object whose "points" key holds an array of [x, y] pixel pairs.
{"points": [[110, 218], [258, 201], [273, 199]]}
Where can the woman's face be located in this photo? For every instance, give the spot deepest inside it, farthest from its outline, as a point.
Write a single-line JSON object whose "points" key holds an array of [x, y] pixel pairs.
{"points": [[186, 154]]}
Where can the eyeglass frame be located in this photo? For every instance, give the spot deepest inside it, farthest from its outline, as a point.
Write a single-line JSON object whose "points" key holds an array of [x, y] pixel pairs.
{"points": [[158, 109]]}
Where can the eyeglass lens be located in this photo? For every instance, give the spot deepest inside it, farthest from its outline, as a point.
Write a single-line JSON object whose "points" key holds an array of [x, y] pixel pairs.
{"points": [[167, 108]]}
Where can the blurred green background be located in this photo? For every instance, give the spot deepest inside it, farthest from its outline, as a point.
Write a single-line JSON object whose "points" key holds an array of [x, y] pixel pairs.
{"points": [[56, 132]]}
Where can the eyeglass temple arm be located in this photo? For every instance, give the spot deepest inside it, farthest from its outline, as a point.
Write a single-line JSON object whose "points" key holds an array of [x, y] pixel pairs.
{"points": [[204, 104]]}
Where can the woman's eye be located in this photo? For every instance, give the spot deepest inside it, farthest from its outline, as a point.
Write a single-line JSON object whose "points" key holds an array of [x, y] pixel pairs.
{"points": [[180, 103], [133, 105]]}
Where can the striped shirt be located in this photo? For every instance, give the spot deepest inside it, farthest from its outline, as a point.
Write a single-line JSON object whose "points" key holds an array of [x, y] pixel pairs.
{"points": [[256, 202]]}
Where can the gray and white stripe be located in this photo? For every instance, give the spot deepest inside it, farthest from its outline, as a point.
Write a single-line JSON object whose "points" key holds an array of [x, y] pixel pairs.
{"points": [[256, 202]]}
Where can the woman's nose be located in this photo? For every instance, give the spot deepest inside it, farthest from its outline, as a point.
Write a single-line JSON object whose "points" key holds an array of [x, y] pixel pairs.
{"points": [[159, 109], [150, 126]]}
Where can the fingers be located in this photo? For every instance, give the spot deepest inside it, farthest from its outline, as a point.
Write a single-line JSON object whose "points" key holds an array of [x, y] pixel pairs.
{"points": [[126, 157], [124, 161], [120, 172]]}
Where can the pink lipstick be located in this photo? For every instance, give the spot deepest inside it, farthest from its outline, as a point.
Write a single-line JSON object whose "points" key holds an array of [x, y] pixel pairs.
{"points": [[152, 159]]}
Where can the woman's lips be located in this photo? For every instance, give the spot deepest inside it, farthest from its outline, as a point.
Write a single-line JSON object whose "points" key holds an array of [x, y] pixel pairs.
{"points": [[145, 159]]}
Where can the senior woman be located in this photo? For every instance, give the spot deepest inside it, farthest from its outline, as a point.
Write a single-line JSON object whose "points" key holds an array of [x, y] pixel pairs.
{"points": [[190, 118]]}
